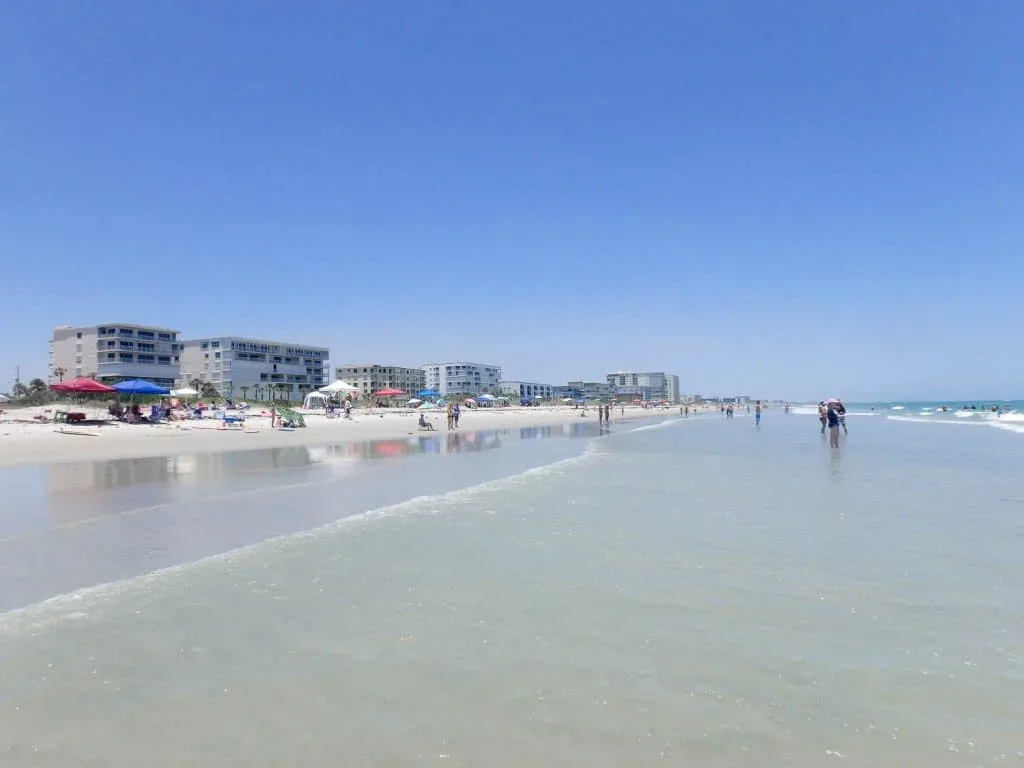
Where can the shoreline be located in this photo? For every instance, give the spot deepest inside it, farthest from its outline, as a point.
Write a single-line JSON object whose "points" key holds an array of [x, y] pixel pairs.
{"points": [[38, 444]]}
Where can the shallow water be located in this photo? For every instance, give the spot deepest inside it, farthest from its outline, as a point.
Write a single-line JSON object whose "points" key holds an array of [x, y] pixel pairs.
{"points": [[700, 593]]}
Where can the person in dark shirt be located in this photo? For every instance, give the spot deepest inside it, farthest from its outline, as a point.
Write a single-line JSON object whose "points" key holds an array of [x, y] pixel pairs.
{"points": [[841, 410], [832, 419]]}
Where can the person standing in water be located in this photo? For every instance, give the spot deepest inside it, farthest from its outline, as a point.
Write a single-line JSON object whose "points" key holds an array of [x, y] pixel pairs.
{"points": [[757, 413], [822, 419], [841, 411], [832, 419]]}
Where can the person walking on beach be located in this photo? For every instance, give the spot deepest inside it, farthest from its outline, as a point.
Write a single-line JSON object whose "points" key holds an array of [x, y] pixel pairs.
{"points": [[757, 413], [832, 419], [456, 412], [451, 416]]}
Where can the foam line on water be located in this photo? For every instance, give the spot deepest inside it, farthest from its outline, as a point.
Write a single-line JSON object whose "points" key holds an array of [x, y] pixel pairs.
{"points": [[1003, 424], [85, 604]]}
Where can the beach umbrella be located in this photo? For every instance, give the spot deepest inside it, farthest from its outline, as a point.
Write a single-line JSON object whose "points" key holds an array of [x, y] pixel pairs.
{"points": [[426, 407], [413, 401], [184, 392], [140, 387], [428, 393], [389, 392], [81, 385], [339, 386]]}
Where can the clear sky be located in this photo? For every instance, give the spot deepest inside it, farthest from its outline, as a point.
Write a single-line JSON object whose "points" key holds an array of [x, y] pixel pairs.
{"points": [[786, 199]]}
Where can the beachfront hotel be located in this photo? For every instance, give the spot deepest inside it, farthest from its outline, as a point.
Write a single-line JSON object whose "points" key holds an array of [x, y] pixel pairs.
{"points": [[373, 377], [527, 390], [114, 352], [589, 390], [649, 385], [463, 378], [257, 369]]}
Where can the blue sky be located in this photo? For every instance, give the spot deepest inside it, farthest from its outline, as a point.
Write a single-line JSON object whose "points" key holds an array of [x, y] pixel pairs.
{"points": [[787, 199]]}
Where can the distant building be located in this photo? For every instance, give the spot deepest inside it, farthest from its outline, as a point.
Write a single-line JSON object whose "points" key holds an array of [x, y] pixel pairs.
{"points": [[373, 377], [255, 369], [590, 390], [114, 352], [648, 385], [527, 389], [462, 378]]}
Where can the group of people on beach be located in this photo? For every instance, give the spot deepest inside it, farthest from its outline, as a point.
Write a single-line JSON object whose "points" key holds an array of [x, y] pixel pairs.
{"points": [[729, 412], [832, 416]]}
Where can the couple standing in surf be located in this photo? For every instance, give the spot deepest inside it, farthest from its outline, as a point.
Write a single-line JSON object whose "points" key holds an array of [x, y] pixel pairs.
{"points": [[832, 416]]}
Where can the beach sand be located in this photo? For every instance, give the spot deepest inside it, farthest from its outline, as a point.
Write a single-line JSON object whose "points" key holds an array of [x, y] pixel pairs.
{"points": [[24, 441]]}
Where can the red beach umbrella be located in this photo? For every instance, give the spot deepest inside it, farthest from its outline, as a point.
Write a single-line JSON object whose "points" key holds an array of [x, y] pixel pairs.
{"points": [[81, 385], [389, 392]]}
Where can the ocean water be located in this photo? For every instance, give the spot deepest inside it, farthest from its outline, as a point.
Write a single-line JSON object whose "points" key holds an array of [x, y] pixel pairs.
{"points": [[1009, 418], [694, 592]]}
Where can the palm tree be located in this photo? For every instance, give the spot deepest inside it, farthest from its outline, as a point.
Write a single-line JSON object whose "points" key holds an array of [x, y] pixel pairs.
{"points": [[59, 373], [196, 384]]}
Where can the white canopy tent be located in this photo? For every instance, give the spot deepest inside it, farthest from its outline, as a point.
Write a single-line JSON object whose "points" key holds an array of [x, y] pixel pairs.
{"points": [[338, 386], [314, 401]]}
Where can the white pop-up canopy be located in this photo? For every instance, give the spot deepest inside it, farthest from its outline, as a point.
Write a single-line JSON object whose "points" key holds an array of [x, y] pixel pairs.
{"points": [[339, 386], [314, 401]]}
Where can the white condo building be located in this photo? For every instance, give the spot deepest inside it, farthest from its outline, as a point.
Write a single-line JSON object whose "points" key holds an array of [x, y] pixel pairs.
{"points": [[648, 385], [463, 378], [527, 389], [114, 352], [373, 377], [257, 369]]}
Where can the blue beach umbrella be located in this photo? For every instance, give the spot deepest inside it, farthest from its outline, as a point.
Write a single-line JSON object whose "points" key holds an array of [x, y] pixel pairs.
{"points": [[428, 393], [140, 387]]}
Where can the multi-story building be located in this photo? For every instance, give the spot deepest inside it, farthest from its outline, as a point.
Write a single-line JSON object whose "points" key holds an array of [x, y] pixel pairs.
{"points": [[373, 377], [114, 352], [463, 378], [523, 390], [254, 368], [590, 390], [649, 385]]}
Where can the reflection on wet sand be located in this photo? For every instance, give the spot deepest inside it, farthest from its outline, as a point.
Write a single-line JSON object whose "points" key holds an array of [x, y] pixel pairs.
{"points": [[78, 477], [82, 490]]}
